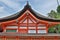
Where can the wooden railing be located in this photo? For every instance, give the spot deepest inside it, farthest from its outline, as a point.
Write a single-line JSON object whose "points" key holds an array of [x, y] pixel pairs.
{"points": [[31, 34]]}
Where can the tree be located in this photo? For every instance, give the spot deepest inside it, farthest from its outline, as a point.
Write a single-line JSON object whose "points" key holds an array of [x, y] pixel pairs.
{"points": [[56, 15], [58, 9], [54, 29], [52, 14], [51, 30]]}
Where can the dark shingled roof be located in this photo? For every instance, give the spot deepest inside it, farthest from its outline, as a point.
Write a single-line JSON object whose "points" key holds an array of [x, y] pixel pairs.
{"points": [[28, 7]]}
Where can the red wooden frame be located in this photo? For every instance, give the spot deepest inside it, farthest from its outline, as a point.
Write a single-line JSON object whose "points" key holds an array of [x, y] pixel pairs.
{"points": [[31, 17]]}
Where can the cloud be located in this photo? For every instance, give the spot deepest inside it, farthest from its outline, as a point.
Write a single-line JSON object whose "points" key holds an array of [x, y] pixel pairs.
{"points": [[8, 7], [21, 0], [1, 9], [49, 4], [11, 4], [3, 12], [45, 6]]}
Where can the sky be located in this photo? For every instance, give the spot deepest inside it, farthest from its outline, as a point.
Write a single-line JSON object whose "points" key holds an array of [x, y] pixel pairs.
{"points": [[10, 7]]}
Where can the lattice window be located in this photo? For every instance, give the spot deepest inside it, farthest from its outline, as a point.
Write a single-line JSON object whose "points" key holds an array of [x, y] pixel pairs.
{"points": [[42, 31], [31, 31], [11, 30]]}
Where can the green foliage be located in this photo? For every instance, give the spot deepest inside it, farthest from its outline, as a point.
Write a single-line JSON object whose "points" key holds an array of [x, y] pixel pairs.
{"points": [[54, 29], [58, 9], [56, 15], [52, 14], [51, 30]]}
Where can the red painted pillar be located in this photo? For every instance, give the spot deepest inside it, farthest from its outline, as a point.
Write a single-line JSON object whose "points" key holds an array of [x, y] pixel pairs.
{"points": [[36, 28], [17, 38], [4, 27], [4, 38], [55, 38], [47, 25], [18, 27]]}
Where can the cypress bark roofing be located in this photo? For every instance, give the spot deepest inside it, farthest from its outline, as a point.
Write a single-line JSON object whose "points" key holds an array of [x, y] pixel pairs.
{"points": [[28, 7]]}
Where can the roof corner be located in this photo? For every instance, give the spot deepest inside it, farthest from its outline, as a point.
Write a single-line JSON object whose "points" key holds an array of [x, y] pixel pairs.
{"points": [[27, 6]]}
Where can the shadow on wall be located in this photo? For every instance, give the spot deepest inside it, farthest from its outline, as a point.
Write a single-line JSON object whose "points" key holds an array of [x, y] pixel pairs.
{"points": [[1, 29]]}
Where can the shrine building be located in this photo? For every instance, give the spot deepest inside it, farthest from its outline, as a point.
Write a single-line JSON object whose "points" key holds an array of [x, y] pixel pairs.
{"points": [[27, 25]]}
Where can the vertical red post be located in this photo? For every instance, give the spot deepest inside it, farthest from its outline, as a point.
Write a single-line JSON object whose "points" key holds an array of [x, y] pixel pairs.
{"points": [[27, 22], [17, 38], [18, 27], [4, 38], [47, 28], [36, 28], [55, 38], [4, 27]]}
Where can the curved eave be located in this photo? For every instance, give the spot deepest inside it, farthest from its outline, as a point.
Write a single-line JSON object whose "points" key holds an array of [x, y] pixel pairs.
{"points": [[27, 7]]}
